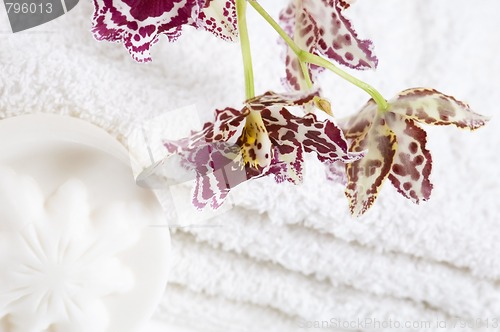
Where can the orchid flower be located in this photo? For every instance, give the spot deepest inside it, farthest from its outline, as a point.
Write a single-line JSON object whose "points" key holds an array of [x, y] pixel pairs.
{"points": [[396, 144], [263, 138], [320, 27], [138, 24]]}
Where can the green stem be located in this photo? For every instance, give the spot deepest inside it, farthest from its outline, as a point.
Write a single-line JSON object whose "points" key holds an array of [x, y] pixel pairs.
{"points": [[306, 57], [319, 61], [295, 48], [241, 6], [305, 72]]}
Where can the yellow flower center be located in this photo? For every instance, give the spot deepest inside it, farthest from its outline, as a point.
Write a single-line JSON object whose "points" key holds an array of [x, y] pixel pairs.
{"points": [[255, 143]]}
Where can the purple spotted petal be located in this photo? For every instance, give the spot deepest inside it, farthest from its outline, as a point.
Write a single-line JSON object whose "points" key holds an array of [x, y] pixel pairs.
{"points": [[138, 23], [217, 168], [366, 176], [397, 145], [289, 157], [217, 171], [433, 107], [287, 18], [319, 27], [220, 155], [358, 124], [338, 40], [219, 18], [214, 155], [290, 133], [272, 99], [413, 162], [284, 170], [301, 26], [227, 127]]}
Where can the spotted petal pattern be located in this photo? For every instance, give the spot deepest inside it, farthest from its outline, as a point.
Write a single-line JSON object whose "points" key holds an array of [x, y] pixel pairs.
{"points": [[366, 176], [413, 162], [228, 123], [302, 27], [272, 99], [242, 145], [433, 107], [319, 26], [397, 145], [322, 137], [359, 124], [219, 18], [218, 170], [139, 23], [338, 40], [294, 135], [214, 157], [256, 147]]}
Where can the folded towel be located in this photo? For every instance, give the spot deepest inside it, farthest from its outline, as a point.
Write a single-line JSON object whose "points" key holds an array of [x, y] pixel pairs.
{"points": [[286, 256]]}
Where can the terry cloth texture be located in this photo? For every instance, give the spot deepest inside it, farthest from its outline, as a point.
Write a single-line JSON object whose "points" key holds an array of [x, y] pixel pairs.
{"points": [[288, 257]]}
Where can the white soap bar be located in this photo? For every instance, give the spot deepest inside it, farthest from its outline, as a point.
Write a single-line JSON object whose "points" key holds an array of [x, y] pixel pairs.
{"points": [[82, 247]]}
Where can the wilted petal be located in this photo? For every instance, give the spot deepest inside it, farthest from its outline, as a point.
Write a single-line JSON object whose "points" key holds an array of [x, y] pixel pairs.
{"points": [[433, 107], [413, 162], [365, 176], [219, 18], [358, 124], [138, 23], [338, 40]]}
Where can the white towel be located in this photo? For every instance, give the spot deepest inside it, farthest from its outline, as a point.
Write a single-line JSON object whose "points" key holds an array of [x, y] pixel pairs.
{"points": [[287, 255]]}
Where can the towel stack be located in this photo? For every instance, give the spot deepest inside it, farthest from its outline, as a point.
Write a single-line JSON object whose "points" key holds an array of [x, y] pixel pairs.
{"points": [[286, 257]]}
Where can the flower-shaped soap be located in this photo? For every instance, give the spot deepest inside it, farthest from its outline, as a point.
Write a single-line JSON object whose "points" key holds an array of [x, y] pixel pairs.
{"points": [[76, 246]]}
